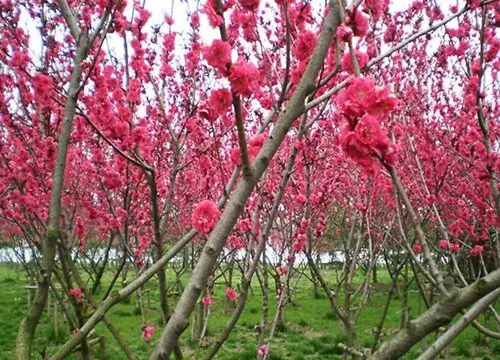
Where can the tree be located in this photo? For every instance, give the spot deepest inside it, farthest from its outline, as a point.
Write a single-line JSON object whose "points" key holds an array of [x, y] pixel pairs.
{"points": [[301, 127]]}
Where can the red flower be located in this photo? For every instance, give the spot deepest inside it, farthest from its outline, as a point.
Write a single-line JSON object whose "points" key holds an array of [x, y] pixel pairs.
{"points": [[250, 5], [417, 248], [231, 294], [244, 78], [347, 62], [370, 133], [148, 332], [255, 144], [359, 24], [205, 216], [218, 54], [476, 250], [206, 300], [443, 244], [355, 148], [455, 247], [262, 351], [236, 156], [344, 33], [214, 19], [219, 101], [357, 97], [281, 270], [76, 293], [305, 45]]}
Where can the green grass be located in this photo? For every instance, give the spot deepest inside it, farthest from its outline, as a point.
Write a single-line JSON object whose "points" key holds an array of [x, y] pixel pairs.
{"points": [[312, 330]]}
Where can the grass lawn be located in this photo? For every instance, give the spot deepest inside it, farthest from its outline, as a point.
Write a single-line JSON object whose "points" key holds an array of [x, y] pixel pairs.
{"points": [[312, 331]]}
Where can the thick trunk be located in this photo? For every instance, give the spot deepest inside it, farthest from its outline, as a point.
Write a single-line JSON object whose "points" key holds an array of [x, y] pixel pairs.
{"points": [[295, 107], [29, 324]]}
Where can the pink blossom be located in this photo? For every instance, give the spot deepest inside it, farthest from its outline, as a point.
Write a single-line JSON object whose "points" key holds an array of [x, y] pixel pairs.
{"points": [[476, 250], [76, 293], [255, 144], [206, 300], [219, 101], [218, 54], [370, 133], [355, 148], [305, 45], [417, 248], [195, 20], [376, 7], [250, 5], [443, 244], [205, 216], [344, 33], [231, 294], [147, 333], [281, 270], [347, 61], [359, 24], [76, 331], [262, 351], [300, 199], [455, 247], [357, 97], [244, 78], [214, 19], [236, 156]]}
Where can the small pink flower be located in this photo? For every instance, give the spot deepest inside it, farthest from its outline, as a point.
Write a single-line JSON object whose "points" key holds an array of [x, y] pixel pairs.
{"points": [[75, 331], [219, 101], [476, 250], [205, 216], [218, 54], [76, 293], [250, 5], [206, 300], [443, 244], [262, 351], [417, 248], [282, 270], [244, 78], [455, 247], [236, 156], [231, 294], [344, 33], [148, 332]]}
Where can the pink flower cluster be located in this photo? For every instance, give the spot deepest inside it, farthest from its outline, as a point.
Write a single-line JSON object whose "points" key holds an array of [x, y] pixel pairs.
{"points": [[231, 294], [148, 332], [366, 107], [254, 146], [476, 250], [218, 54], [76, 293], [143, 245], [206, 300], [358, 21], [305, 45], [205, 216], [445, 245], [262, 351], [376, 7], [417, 248], [244, 78], [282, 270], [250, 5], [346, 62]]}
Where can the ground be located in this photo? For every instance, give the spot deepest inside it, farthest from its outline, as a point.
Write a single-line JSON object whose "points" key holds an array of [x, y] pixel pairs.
{"points": [[312, 331]]}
